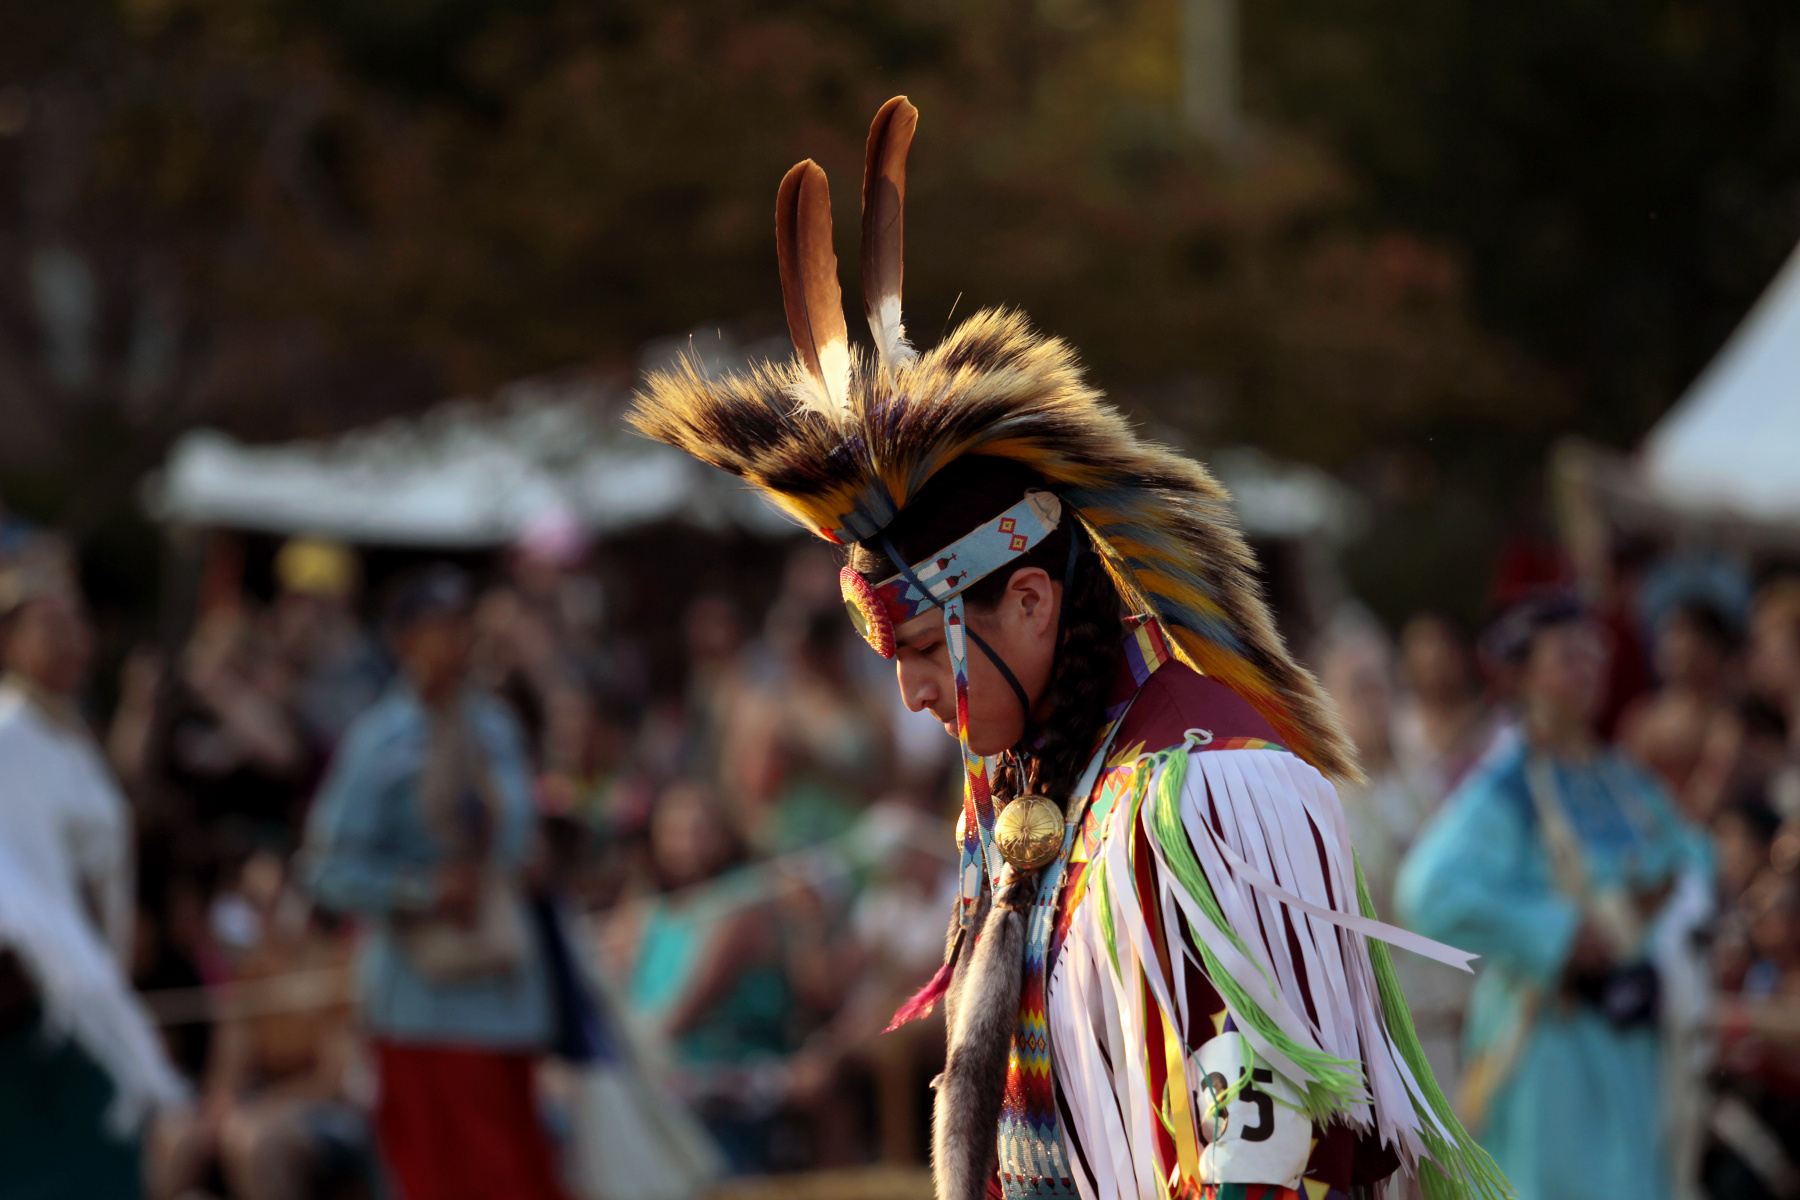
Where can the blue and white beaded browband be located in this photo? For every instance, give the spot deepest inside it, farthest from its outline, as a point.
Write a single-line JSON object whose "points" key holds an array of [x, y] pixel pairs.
{"points": [[878, 609]]}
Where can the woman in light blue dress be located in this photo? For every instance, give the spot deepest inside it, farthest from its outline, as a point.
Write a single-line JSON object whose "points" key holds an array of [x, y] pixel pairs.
{"points": [[1556, 861]]}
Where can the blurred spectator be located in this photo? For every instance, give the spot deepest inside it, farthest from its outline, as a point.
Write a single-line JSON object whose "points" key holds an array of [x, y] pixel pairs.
{"points": [[811, 748], [1773, 653], [1442, 723], [702, 964], [80, 1066], [1743, 832], [277, 1112], [717, 686], [424, 828], [692, 738], [538, 647], [520, 658], [1754, 1152], [809, 586], [1744, 749], [1773, 668], [1386, 811], [896, 945], [1772, 904], [337, 670], [1667, 729], [1556, 861], [232, 749]]}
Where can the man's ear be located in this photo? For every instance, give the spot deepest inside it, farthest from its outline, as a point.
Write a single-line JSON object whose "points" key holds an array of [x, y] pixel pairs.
{"points": [[1032, 595]]}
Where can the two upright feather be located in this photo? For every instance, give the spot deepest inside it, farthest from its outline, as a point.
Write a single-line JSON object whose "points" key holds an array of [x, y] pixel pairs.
{"points": [[1161, 524], [809, 283]]}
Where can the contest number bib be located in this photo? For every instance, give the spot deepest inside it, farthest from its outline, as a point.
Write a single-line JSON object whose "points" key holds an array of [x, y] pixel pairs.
{"points": [[1250, 1117]]}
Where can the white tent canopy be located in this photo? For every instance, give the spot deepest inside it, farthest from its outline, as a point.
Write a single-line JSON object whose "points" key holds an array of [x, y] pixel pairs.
{"points": [[464, 474], [474, 474], [1731, 446]]}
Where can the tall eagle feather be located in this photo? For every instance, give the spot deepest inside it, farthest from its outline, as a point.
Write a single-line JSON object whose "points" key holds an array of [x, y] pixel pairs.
{"points": [[809, 284], [883, 227]]}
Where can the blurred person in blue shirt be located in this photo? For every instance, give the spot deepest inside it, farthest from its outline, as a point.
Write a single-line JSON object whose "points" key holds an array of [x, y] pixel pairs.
{"points": [[1566, 868], [424, 829]]}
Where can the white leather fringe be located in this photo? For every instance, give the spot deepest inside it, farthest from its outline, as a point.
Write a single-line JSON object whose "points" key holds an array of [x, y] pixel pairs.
{"points": [[1270, 836]]}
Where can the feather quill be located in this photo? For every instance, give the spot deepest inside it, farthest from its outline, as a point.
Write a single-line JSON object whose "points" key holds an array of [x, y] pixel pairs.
{"points": [[809, 284], [883, 228]]}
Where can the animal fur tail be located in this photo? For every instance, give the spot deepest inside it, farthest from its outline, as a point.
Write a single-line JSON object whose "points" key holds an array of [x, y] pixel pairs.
{"points": [[966, 1114]]}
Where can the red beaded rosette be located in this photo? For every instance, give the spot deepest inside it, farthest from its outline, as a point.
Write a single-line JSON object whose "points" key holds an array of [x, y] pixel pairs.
{"points": [[867, 612]]}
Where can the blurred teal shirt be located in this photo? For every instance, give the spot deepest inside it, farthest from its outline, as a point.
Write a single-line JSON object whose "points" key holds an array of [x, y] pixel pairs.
{"points": [[749, 1020], [371, 851], [1581, 1113]]}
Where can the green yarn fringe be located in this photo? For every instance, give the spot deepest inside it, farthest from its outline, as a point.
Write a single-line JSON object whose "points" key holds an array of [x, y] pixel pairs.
{"points": [[1104, 886], [1458, 1168], [1335, 1083]]}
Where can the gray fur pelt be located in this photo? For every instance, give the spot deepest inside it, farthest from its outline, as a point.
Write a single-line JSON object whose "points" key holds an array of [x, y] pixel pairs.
{"points": [[981, 1011]]}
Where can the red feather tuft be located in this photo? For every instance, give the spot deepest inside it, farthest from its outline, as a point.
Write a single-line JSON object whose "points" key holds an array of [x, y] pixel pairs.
{"points": [[922, 1004]]}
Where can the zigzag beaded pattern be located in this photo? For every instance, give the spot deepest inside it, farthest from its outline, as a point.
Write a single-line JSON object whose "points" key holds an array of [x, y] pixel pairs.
{"points": [[1034, 1161]]}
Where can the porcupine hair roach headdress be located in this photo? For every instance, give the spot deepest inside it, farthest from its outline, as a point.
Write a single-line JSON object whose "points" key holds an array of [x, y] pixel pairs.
{"points": [[843, 440]]}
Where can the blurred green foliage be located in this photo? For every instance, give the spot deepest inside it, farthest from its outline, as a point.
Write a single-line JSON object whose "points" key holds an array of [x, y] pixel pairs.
{"points": [[1621, 176]]}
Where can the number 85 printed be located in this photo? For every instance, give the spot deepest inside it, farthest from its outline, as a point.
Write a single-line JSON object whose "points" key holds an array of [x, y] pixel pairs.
{"points": [[1250, 1117]]}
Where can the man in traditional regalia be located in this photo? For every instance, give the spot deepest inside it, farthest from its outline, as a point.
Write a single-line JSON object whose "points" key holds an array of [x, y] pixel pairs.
{"points": [[1163, 977]]}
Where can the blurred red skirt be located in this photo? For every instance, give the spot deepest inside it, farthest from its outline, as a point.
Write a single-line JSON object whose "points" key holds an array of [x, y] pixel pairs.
{"points": [[456, 1123]]}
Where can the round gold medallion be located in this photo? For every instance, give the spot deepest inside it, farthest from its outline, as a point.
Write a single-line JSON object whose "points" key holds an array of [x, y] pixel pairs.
{"points": [[1029, 832]]}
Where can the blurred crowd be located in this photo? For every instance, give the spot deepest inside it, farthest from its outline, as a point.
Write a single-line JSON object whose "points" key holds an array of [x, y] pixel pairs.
{"points": [[1634, 764], [428, 864], [426, 879]]}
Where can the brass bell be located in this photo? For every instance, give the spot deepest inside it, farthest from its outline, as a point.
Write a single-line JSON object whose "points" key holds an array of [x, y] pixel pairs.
{"points": [[1029, 832]]}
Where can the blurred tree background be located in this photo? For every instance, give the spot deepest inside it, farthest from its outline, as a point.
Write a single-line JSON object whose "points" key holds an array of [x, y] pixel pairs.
{"points": [[1448, 230]]}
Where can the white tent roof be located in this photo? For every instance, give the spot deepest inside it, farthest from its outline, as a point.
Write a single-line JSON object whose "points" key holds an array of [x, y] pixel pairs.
{"points": [[1731, 446], [471, 474], [464, 474]]}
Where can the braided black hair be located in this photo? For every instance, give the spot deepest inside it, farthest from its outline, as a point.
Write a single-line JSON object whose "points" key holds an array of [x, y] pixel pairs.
{"points": [[961, 496], [1085, 664]]}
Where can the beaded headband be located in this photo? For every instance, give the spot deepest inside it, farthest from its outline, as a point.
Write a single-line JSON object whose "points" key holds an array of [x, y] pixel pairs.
{"points": [[877, 609]]}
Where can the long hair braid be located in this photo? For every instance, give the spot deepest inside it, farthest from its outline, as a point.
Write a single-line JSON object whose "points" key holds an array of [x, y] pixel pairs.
{"points": [[1085, 667], [1078, 691]]}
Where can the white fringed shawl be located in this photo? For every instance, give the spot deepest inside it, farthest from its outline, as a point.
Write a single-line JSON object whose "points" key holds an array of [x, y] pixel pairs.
{"points": [[63, 828]]}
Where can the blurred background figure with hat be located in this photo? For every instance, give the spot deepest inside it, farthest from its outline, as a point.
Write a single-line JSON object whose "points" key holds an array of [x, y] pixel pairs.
{"points": [[424, 829], [337, 668]]}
